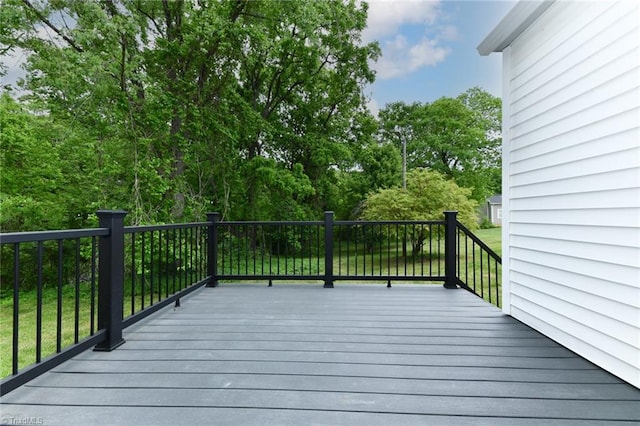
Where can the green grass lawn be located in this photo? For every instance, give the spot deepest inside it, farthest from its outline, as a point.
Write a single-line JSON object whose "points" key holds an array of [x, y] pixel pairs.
{"points": [[491, 237]]}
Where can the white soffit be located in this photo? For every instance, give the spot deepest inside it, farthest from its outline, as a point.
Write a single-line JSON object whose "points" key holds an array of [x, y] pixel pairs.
{"points": [[523, 14]]}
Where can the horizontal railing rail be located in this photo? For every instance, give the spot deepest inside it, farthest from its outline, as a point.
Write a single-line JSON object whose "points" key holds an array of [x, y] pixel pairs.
{"points": [[33, 237]]}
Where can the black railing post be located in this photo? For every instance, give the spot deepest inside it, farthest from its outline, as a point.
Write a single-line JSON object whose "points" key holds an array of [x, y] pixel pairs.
{"points": [[111, 278], [212, 249], [328, 249], [450, 255]]}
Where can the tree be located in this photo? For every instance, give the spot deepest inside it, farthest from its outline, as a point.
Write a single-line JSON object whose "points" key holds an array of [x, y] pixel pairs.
{"points": [[31, 173], [458, 137], [181, 97], [51, 176], [379, 166], [428, 194], [301, 80]]}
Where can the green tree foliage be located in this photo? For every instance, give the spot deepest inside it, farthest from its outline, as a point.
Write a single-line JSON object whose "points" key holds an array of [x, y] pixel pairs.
{"points": [[186, 101], [49, 174], [31, 174], [427, 196], [459, 137], [255, 109], [379, 166]]}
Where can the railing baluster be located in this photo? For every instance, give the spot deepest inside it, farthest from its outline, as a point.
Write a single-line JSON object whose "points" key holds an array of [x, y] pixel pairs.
{"points": [[371, 245], [262, 248], [405, 248], [466, 261], [200, 251], [181, 256], [348, 233], [362, 252], [76, 322], [191, 253], [497, 283], [59, 300], [397, 234], [431, 250], [159, 266], [143, 267], [440, 249], [309, 250], [381, 250], [16, 308], [489, 276], [474, 266], [481, 275], [39, 305], [93, 285], [458, 251], [318, 250], [134, 273], [413, 250], [151, 272], [174, 261], [167, 261], [269, 243]]}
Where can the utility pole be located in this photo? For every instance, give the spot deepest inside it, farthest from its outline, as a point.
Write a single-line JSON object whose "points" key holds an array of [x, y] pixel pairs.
{"points": [[404, 163]]}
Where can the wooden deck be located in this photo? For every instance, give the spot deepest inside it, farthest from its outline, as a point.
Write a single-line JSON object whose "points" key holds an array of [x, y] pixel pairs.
{"points": [[305, 355]]}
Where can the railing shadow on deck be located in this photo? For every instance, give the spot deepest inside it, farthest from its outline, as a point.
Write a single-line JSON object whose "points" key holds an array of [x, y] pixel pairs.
{"points": [[118, 275]]}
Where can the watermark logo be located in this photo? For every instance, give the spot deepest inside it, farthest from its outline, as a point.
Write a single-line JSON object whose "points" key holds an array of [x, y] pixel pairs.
{"points": [[22, 421]]}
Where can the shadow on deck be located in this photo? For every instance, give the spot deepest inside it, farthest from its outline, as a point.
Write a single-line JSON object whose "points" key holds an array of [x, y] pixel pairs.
{"points": [[302, 355]]}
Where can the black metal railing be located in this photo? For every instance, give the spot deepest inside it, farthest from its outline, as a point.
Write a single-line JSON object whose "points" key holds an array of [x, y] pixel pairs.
{"points": [[389, 250], [329, 250], [69, 289], [270, 250], [161, 261], [478, 267], [104, 279]]}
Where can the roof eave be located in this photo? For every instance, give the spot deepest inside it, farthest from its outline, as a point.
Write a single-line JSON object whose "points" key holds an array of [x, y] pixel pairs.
{"points": [[519, 18]]}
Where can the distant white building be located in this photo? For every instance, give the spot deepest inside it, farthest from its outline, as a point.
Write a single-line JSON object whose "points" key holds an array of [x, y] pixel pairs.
{"points": [[494, 210], [571, 175]]}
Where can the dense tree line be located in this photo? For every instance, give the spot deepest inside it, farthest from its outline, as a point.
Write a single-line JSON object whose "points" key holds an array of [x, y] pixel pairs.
{"points": [[170, 109]]}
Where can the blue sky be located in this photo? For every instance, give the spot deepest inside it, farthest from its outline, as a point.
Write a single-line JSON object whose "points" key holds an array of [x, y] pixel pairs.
{"points": [[429, 48]]}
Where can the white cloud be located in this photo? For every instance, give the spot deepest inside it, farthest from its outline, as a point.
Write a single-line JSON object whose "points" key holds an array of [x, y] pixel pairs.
{"points": [[448, 33], [400, 58], [391, 22], [386, 16]]}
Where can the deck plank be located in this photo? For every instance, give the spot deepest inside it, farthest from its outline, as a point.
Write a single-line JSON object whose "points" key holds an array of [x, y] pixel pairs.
{"points": [[355, 354]]}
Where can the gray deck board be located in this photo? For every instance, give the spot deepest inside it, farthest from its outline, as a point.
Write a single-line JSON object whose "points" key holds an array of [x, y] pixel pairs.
{"points": [[352, 355]]}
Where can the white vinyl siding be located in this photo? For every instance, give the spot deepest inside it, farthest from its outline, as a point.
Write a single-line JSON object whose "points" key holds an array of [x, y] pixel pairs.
{"points": [[572, 175]]}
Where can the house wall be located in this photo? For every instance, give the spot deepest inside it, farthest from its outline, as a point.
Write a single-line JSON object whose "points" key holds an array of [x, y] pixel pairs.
{"points": [[571, 180]]}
